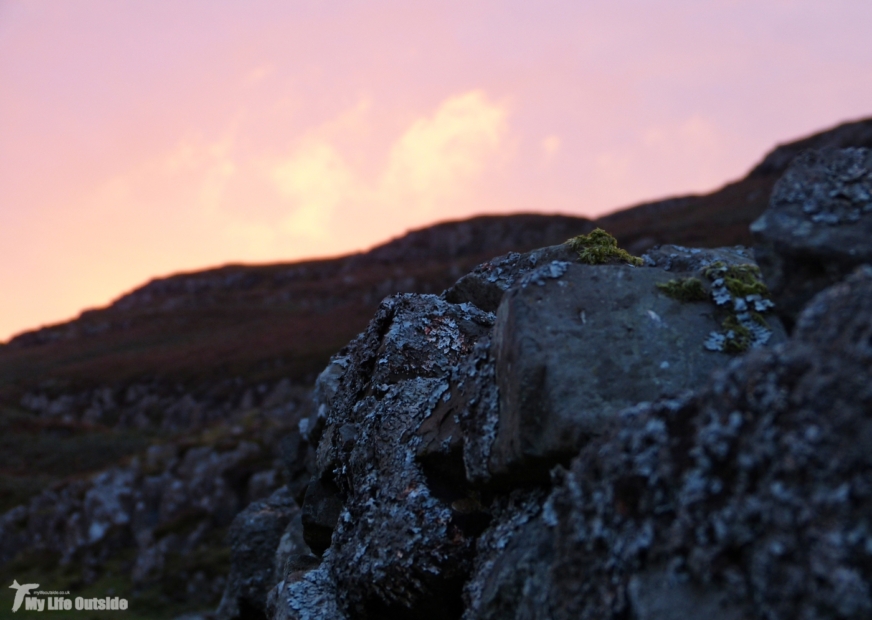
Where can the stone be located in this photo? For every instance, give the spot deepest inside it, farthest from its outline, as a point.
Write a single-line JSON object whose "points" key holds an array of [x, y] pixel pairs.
{"points": [[574, 344], [511, 578], [658, 595], [818, 227], [399, 546], [254, 537], [321, 508], [292, 560], [755, 489], [484, 286]]}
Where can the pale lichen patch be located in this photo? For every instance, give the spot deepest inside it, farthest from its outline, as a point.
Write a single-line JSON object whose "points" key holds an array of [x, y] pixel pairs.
{"points": [[740, 291]]}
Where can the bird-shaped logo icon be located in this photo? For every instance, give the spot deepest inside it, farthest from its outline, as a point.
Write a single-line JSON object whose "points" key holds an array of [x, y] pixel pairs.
{"points": [[22, 592]]}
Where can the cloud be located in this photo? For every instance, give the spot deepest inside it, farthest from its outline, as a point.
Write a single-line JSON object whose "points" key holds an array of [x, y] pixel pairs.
{"points": [[315, 180], [433, 162], [550, 146], [438, 156]]}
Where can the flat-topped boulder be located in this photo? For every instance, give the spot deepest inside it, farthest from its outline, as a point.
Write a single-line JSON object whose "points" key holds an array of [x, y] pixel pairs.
{"points": [[574, 344]]}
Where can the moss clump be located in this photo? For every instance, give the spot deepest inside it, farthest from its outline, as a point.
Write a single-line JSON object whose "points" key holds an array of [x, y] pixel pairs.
{"points": [[740, 280], [684, 289], [600, 247], [740, 291], [738, 338]]}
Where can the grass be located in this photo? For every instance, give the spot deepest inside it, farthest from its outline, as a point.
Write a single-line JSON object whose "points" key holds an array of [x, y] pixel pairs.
{"points": [[157, 601], [36, 453]]}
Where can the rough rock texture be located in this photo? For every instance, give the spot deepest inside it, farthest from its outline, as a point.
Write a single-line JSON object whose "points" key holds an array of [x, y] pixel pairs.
{"points": [[574, 344], [160, 520], [484, 286], [292, 562], [254, 538], [713, 486], [818, 226], [397, 547], [407, 421], [756, 489], [513, 556]]}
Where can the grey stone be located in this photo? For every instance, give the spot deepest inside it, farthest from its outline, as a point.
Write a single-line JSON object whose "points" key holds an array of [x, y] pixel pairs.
{"points": [[399, 546], [574, 350], [511, 577], [292, 561], [658, 595], [818, 226], [254, 537], [680, 259], [321, 508], [484, 286], [756, 489]]}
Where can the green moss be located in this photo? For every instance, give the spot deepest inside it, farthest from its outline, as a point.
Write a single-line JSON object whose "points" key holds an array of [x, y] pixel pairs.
{"points": [[599, 247], [684, 289], [739, 290], [740, 280], [738, 337]]}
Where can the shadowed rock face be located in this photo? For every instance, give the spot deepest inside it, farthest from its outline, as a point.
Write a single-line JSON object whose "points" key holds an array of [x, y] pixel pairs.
{"points": [[120, 374], [818, 227], [757, 489], [398, 546], [254, 537], [587, 453], [575, 344]]}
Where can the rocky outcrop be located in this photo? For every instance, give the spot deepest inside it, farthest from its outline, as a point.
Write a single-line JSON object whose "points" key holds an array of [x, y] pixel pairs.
{"points": [[818, 227], [753, 490], [615, 441], [255, 537], [159, 521], [574, 344], [397, 546], [160, 406]]}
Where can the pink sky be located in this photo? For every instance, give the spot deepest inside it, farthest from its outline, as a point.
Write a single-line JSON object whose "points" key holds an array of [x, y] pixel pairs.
{"points": [[144, 137]]}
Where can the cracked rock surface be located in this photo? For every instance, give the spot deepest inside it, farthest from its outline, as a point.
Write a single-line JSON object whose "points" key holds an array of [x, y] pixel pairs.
{"points": [[397, 547], [543, 462]]}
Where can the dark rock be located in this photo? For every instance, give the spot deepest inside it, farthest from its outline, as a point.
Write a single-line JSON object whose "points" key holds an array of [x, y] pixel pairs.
{"points": [[326, 387], [757, 489], [321, 508], [292, 561], [574, 344], [254, 536], [399, 548], [818, 227], [513, 557], [856, 134], [676, 258], [484, 286], [298, 461], [661, 595]]}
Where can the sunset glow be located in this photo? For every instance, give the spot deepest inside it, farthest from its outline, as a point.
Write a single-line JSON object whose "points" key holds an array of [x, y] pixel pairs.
{"points": [[140, 138]]}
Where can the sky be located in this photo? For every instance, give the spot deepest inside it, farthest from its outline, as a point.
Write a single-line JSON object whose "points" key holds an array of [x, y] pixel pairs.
{"points": [[141, 138]]}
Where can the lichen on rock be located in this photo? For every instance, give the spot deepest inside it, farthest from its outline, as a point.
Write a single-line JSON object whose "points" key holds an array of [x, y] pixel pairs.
{"points": [[739, 290]]}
